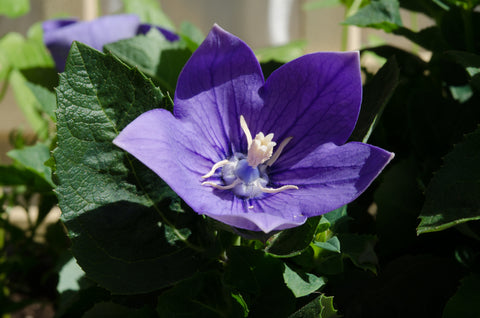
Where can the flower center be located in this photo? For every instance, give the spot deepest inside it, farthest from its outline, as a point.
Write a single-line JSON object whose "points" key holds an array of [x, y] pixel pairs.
{"points": [[246, 175]]}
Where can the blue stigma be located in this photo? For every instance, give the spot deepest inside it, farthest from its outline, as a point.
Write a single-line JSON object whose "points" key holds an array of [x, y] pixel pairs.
{"points": [[246, 172]]}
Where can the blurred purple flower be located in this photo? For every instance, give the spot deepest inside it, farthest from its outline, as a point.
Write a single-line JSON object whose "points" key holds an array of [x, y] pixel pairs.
{"points": [[207, 154], [59, 34]]}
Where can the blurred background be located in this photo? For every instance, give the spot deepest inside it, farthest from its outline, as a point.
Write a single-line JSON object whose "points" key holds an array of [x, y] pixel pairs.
{"points": [[260, 23]]}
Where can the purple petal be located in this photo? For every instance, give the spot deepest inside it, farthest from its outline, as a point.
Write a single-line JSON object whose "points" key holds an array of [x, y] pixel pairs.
{"points": [[176, 152], [217, 85], [50, 25], [169, 35], [315, 99], [332, 175], [277, 212], [58, 37]]}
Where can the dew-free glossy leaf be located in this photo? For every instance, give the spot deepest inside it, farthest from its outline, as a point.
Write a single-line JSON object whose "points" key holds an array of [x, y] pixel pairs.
{"points": [[302, 284], [155, 56], [14, 8], [379, 14], [453, 195], [113, 206], [465, 302], [292, 242]]}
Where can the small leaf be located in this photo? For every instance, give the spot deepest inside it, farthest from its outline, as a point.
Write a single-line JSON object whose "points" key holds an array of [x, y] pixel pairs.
{"points": [[465, 302], [453, 195], [29, 105], [69, 276], [379, 14], [376, 94], [33, 158], [337, 219], [14, 8], [359, 248], [302, 284], [203, 295], [46, 100], [332, 245], [192, 36], [320, 307], [153, 55], [149, 11], [259, 276], [293, 241], [282, 53]]}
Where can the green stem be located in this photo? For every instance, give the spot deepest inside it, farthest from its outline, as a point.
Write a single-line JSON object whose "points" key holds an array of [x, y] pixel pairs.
{"points": [[345, 29], [3, 91]]}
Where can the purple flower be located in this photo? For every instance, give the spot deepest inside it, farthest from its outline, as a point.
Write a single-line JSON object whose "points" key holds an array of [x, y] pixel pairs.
{"points": [[255, 154], [59, 34]]}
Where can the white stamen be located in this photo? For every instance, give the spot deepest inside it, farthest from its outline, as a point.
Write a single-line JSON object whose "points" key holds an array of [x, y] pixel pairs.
{"points": [[283, 188], [220, 187], [279, 150], [246, 131], [215, 167]]}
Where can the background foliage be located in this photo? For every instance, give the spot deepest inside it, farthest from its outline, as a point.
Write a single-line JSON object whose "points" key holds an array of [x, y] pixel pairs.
{"points": [[408, 247]]}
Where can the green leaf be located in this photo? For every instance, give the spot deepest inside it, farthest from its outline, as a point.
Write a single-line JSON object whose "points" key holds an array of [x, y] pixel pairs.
{"points": [[46, 100], [192, 36], [430, 38], [149, 11], [14, 8], [320, 307], [33, 158], [337, 219], [155, 56], [465, 302], [69, 276], [376, 94], [204, 295], [113, 206], [332, 245], [470, 61], [282, 53], [379, 14], [399, 201], [453, 195], [108, 309], [24, 53], [258, 277], [359, 248], [29, 105], [292, 242], [302, 284]]}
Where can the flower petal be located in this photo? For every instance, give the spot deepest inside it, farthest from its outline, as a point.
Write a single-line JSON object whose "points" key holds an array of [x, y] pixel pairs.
{"points": [[332, 175], [272, 213], [174, 151], [144, 28], [315, 99], [58, 37], [218, 84]]}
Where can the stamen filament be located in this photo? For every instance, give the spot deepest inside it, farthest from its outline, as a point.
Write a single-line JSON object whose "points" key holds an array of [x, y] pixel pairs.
{"points": [[220, 187], [245, 129], [283, 188], [215, 167], [279, 150]]}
